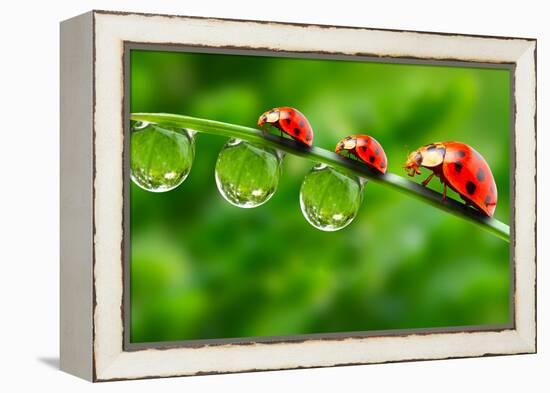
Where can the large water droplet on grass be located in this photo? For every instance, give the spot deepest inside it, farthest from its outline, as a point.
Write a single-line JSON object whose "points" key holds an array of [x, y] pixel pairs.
{"points": [[247, 175], [330, 199], [160, 157]]}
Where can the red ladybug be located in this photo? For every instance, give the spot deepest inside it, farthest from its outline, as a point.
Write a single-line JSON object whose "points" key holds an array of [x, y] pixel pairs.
{"points": [[290, 121], [366, 149], [460, 167]]}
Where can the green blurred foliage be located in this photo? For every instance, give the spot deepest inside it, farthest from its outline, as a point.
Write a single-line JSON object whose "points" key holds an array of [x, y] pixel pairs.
{"points": [[202, 268]]}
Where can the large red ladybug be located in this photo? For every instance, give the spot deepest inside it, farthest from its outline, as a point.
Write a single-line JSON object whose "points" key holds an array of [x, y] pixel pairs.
{"points": [[366, 149], [290, 121], [460, 167]]}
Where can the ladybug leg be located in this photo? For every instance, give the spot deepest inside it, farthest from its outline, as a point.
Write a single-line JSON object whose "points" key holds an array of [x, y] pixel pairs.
{"points": [[425, 182], [444, 192]]}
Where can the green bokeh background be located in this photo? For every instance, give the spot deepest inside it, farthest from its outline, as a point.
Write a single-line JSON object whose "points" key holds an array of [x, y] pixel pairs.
{"points": [[203, 269]]}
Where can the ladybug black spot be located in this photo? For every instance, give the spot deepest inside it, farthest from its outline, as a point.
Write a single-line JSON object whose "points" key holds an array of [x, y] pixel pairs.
{"points": [[287, 120], [458, 166], [470, 187], [461, 153], [487, 200], [363, 148], [377, 151], [372, 158], [480, 174], [296, 131], [309, 137], [302, 124], [383, 164]]}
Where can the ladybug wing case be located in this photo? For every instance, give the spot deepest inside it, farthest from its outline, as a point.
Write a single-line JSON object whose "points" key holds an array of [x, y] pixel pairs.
{"points": [[371, 152], [295, 124], [467, 172]]}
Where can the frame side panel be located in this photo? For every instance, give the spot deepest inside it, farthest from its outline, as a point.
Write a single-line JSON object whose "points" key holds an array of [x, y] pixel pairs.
{"points": [[76, 191]]}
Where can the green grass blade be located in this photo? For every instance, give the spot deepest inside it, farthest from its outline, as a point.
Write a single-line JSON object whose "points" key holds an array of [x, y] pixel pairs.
{"points": [[317, 154]]}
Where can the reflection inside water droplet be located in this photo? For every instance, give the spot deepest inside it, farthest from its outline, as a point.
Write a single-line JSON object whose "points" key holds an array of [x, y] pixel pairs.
{"points": [[160, 157], [247, 175], [330, 199]]}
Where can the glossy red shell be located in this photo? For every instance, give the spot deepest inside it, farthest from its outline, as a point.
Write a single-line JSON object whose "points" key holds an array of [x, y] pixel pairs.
{"points": [[465, 171], [367, 149], [293, 123]]}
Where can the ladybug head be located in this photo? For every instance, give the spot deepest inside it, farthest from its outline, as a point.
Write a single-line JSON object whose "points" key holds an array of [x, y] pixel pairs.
{"points": [[347, 143], [271, 116], [414, 161]]}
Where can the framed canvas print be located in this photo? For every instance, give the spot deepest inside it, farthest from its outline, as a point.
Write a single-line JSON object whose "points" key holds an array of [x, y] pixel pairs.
{"points": [[245, 195]]}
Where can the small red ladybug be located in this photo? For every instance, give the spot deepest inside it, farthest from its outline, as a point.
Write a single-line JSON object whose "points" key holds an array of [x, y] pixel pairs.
{"points": [[366, 149], [460, 167], [290, 121]]}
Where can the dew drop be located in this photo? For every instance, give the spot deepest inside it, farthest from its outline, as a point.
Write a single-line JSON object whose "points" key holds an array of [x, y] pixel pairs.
{"points": [[140, 125], [247, 175], [330, 199], [160, 157]]}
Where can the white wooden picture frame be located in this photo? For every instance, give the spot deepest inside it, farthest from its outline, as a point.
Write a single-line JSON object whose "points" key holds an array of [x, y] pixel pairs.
{"points": [[93, 182]]}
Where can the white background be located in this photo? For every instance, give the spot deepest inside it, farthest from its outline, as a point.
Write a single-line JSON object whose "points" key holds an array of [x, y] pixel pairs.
{"points": [[29, 196]]}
